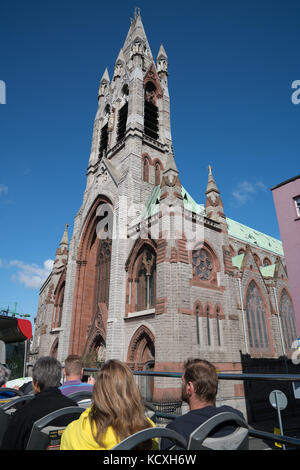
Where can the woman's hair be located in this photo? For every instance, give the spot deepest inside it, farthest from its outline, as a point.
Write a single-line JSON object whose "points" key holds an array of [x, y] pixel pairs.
{"points": [[117, 402]]}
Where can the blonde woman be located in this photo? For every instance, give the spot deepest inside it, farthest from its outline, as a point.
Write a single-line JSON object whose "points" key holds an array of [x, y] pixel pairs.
{"points": [[116, 412]]}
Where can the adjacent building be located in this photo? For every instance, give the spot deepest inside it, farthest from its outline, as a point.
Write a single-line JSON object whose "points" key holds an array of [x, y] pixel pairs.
{"points": [[286, 197]]}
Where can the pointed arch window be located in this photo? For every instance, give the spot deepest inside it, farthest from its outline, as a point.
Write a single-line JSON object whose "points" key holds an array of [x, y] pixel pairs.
{"points": [[103, 272], [256, 318], [146, 280], [197, 314], [207, 312], [58, 307], [150, 111], [146, 169], [157, 173], [123, 114], [288, 319], [218, 317]]}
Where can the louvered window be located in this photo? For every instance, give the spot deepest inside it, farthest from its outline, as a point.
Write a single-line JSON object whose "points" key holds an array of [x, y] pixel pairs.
{"points": [[103, 140], [150, 112], [123, 113]]}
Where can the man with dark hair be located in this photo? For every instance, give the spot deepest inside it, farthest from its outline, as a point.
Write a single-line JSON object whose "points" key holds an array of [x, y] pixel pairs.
{"points": [[46, 376], [73, 372], [199, 390]]}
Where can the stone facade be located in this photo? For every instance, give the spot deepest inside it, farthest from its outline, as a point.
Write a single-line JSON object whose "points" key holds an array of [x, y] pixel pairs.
{"points": [[150, 276]]}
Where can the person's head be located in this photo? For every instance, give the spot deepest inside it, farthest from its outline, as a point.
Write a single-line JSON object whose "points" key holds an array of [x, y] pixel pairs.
{"points": [[117, 402], [46, 373], [73, 367], [199, 382], [4, 374]]}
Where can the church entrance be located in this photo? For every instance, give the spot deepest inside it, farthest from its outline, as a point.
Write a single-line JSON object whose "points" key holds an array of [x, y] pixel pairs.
{"points": [[141, 356]]}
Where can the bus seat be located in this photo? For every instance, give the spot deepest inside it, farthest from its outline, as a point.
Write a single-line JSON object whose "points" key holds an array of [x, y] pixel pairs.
{"points": [[237, 440], [7, 409], [83, 398], [46, 436], [150, 411], [151, 433]]}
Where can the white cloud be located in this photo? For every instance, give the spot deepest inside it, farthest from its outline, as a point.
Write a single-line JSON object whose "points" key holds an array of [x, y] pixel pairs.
{"points": [[3, 189], [31, 275], [245, 190]]}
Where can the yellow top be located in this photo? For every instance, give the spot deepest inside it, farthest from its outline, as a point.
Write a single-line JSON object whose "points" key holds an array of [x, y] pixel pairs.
{"points": [[78, 436]]}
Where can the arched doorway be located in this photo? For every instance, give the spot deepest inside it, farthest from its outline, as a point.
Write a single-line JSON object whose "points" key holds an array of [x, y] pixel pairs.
{"points": [[141, 356]]}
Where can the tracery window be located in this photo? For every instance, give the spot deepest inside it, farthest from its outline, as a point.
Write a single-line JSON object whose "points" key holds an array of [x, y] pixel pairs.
{"points": [[58, 307], [103, 272], [256, 318], [202, 264], [146, 280], [288, 319]]}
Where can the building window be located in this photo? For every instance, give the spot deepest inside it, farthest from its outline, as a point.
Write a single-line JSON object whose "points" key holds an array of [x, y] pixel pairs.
{"points": [[197, 314], [218, 325], [58, 307], [146, 169], [202, 264], [267, 262], [146, 280], [150, 112], [122, 120], [297, 203], [288, 319], [157, 173], [256, 318], [103, 141], [208, 326], [103, 273]]}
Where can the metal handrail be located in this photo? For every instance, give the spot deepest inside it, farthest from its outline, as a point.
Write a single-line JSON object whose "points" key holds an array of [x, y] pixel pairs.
{"points": [[221, 376]]}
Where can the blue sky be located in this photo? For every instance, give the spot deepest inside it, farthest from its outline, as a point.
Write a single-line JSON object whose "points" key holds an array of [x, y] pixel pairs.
{"points": [[231, 66]]}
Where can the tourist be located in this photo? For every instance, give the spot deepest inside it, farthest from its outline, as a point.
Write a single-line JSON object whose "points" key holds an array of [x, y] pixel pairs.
{"points": [[199, 390], [46, 375], [73, 371], [117, 412]]}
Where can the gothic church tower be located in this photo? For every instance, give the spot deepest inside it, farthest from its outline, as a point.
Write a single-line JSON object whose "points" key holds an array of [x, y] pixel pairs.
{"points": [[131, 148], [149, 276]]}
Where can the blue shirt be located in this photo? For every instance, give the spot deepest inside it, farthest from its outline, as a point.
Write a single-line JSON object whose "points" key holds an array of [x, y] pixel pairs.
{"points": [[72, 386]]}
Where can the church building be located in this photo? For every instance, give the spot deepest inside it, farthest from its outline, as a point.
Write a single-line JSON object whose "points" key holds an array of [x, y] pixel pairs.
{"points": [[150, 276]]}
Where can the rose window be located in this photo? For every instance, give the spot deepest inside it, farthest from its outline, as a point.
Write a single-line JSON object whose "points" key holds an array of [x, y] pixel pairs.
{"points": [[202, 264]]}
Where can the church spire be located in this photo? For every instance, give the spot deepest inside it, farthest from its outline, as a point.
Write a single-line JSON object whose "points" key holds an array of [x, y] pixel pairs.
{"points": [[213, 205], [104, 82], [65, 239], [162, 62]]}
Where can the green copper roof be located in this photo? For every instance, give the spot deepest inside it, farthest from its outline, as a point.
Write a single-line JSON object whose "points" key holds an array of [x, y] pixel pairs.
{"points": [[235, 229], [254, 237], [268, 271], [237, 260], [153, 203]]}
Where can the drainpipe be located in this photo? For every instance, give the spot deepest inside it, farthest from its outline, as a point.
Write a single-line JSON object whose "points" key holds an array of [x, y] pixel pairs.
{"points": [[279, 322], [243, 316]]}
